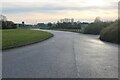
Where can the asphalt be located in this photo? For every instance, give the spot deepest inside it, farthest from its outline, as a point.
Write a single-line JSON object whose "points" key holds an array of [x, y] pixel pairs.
{"points": [[66, 55]]}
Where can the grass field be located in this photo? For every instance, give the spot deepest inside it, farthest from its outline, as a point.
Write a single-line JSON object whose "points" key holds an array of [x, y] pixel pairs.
{"points": [[19, 37]]}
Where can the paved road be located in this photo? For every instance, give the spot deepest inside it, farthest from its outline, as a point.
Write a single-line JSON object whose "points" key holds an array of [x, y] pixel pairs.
{"points": [[66, 55]]}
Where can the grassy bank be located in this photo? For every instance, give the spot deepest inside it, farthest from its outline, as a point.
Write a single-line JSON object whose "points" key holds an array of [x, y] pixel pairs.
{"points": [[20, 37], [110, 33]]}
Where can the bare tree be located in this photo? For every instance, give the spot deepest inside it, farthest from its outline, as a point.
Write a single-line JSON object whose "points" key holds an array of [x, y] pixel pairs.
{"points": [[3, 18], [97, 20]]}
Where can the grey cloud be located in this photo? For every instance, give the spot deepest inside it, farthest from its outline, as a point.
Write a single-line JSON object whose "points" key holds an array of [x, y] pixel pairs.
{"points": [[50, 8]]}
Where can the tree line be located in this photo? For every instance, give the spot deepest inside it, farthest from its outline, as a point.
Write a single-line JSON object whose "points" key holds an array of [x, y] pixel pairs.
{"points": [[7, 25]]}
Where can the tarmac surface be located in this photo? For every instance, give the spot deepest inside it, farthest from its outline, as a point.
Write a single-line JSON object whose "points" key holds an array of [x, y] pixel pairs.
{"points": [[66, 55]]}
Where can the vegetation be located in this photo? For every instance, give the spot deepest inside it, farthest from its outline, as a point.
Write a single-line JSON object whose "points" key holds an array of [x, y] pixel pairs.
{"points": [[111, 33], [0, 39], [70, 30], [65, 26], [95, 28], [19, 37], [86, 28], [49, 24], [8, 25]]}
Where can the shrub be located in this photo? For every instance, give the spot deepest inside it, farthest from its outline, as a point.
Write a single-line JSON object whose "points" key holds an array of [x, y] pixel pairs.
{"points": [[111, 33], [95, 28]]}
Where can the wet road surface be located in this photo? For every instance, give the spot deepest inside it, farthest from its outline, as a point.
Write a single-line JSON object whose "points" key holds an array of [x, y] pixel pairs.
{"points": [[66, 55]]}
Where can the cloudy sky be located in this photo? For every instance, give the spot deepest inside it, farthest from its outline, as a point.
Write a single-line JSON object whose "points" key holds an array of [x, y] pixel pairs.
{"points": [[34, 11]]}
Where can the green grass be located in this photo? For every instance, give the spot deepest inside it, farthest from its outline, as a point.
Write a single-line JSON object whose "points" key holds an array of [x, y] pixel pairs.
{"points": [[20, 37]]}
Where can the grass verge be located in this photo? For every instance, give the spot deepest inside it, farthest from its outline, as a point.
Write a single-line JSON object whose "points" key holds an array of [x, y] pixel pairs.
{"points": [[21, 37]]}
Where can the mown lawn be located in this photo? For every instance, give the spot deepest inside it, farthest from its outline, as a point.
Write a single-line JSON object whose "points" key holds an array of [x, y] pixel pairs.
{"points": [[19, 37]]}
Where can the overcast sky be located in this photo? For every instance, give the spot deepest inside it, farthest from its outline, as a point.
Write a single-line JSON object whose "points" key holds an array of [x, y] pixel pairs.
{"points": [[34, 11]]}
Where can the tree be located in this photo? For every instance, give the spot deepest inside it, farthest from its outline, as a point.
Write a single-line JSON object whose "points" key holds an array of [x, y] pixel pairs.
{"points": [[8, 25], [97, 20], [49, 24], [3, 18]]}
